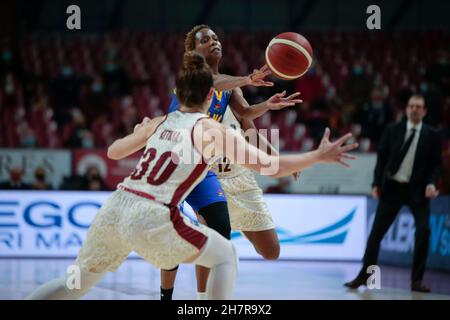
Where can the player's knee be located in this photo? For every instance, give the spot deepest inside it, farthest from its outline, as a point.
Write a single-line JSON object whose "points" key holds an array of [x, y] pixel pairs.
{"points": [[217, 218], [271, 253], [77, 285], [217, 251]]}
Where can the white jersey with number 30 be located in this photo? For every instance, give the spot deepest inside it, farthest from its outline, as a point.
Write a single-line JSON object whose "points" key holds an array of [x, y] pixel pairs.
{"points": [[170, 166]]}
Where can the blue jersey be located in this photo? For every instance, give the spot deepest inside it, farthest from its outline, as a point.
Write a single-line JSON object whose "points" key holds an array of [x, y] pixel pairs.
{"points": [[209, 190], [217, 108]]}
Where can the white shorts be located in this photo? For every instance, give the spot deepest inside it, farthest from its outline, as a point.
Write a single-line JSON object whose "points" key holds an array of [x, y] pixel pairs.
{"points": [[128, 222], [246, 205]]}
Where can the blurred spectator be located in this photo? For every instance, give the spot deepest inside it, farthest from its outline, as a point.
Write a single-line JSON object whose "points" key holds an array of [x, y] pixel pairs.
{"points": [[117, 82], [40, 182], [374, 116], [358, 85], [76, 133], [439, 74], [129, 117], [27, 136], [9, 63], [15, 181], [10, 96], [317, 119], [94, 181], [311, 86], [283, 186], [94, 102], [66, 93]]}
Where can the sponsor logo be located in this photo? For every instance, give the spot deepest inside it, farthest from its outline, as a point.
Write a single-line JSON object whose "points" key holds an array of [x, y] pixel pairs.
{"points": [[331, 234]]}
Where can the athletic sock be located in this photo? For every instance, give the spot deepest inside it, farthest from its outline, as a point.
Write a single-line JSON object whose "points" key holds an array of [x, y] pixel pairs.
{"points": [[201, 295], [166, 294]]}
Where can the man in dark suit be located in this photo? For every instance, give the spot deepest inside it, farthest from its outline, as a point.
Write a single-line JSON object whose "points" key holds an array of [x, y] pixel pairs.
{"points": [[406, 173]]}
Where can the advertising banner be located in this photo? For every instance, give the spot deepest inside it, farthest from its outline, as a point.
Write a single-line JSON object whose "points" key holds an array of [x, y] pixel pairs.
{"points": [[54, 224]]}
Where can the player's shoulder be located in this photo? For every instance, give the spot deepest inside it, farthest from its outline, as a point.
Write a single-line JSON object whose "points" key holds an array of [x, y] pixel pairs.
{"points": [[156, 122], [208, 123]]}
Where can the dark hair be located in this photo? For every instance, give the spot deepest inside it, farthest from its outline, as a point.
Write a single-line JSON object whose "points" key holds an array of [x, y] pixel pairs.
{"points": [[418, 96], [189, 41], [194, 81]]}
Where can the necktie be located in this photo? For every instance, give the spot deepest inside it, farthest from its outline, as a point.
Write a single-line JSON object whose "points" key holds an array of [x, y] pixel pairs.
{"points": [[402, 153]]}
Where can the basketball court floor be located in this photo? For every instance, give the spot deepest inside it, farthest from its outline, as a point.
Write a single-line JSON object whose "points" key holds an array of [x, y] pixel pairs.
{"points": [[261, 280]]}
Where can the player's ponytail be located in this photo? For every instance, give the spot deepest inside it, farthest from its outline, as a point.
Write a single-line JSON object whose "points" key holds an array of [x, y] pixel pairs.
{"points": [[194, 80]]}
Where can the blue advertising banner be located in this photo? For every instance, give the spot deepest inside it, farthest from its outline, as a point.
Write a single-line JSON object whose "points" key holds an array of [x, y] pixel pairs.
{"points": [[54, 224], [398, 244]]}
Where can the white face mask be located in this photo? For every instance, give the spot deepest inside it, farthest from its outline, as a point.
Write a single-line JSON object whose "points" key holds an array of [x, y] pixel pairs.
{"points": [[88, 143], [9, 88]]}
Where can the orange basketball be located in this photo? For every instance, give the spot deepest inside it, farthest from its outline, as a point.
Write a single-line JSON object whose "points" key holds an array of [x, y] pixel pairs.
{"points": [[289, 55]]}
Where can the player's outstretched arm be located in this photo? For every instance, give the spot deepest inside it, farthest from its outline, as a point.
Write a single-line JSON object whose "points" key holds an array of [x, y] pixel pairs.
{"points": [[224, 82], [122, 148], [276, 102], [261, 142], [213, 139]]}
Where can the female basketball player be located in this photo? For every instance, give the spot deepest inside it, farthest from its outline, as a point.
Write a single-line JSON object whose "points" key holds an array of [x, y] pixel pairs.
{"points": [[208, 199], [142, 215]]}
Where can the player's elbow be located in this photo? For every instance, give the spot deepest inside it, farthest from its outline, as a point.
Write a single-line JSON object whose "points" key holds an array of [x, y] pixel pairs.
{"points": [[113, 153]]}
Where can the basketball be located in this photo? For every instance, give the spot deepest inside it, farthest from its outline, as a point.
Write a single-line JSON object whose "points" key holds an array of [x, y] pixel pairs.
{"points": [[289, 55]]}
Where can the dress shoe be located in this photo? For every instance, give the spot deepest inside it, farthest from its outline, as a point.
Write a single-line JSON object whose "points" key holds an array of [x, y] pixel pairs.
{"points": [[419, 287], [357, 282]]}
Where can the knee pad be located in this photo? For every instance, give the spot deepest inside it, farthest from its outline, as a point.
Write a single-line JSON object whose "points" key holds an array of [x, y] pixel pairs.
{"points": [[217, 251], [217, 218], [77, 287]]}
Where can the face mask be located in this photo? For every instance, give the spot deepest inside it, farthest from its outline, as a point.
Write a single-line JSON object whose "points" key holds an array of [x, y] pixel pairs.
{"points": [[88, 143], [358, 70], [423, 87], [7, 56], [29, 141], [110, 67], [97, 87], [40, 176], [67, 71]]}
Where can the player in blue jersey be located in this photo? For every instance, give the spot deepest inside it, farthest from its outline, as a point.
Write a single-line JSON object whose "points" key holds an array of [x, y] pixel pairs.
{"points": [[208, 199]]}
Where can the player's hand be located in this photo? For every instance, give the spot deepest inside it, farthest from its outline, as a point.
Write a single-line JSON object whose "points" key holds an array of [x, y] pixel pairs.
{"points": [[278, 101], [258, 75], [335, 152], [142, 124], [431, 191], [375, 192]]}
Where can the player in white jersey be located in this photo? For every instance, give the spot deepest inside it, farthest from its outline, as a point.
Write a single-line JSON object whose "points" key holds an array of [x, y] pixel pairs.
{"points": [[248, 210], [142, 214]]}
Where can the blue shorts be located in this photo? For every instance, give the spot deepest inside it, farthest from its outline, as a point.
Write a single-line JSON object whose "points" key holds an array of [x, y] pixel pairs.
{"points": [[206, 192]]}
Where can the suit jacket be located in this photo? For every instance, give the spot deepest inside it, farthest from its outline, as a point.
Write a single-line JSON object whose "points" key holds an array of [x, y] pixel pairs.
{"points": [[427, 160]]}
